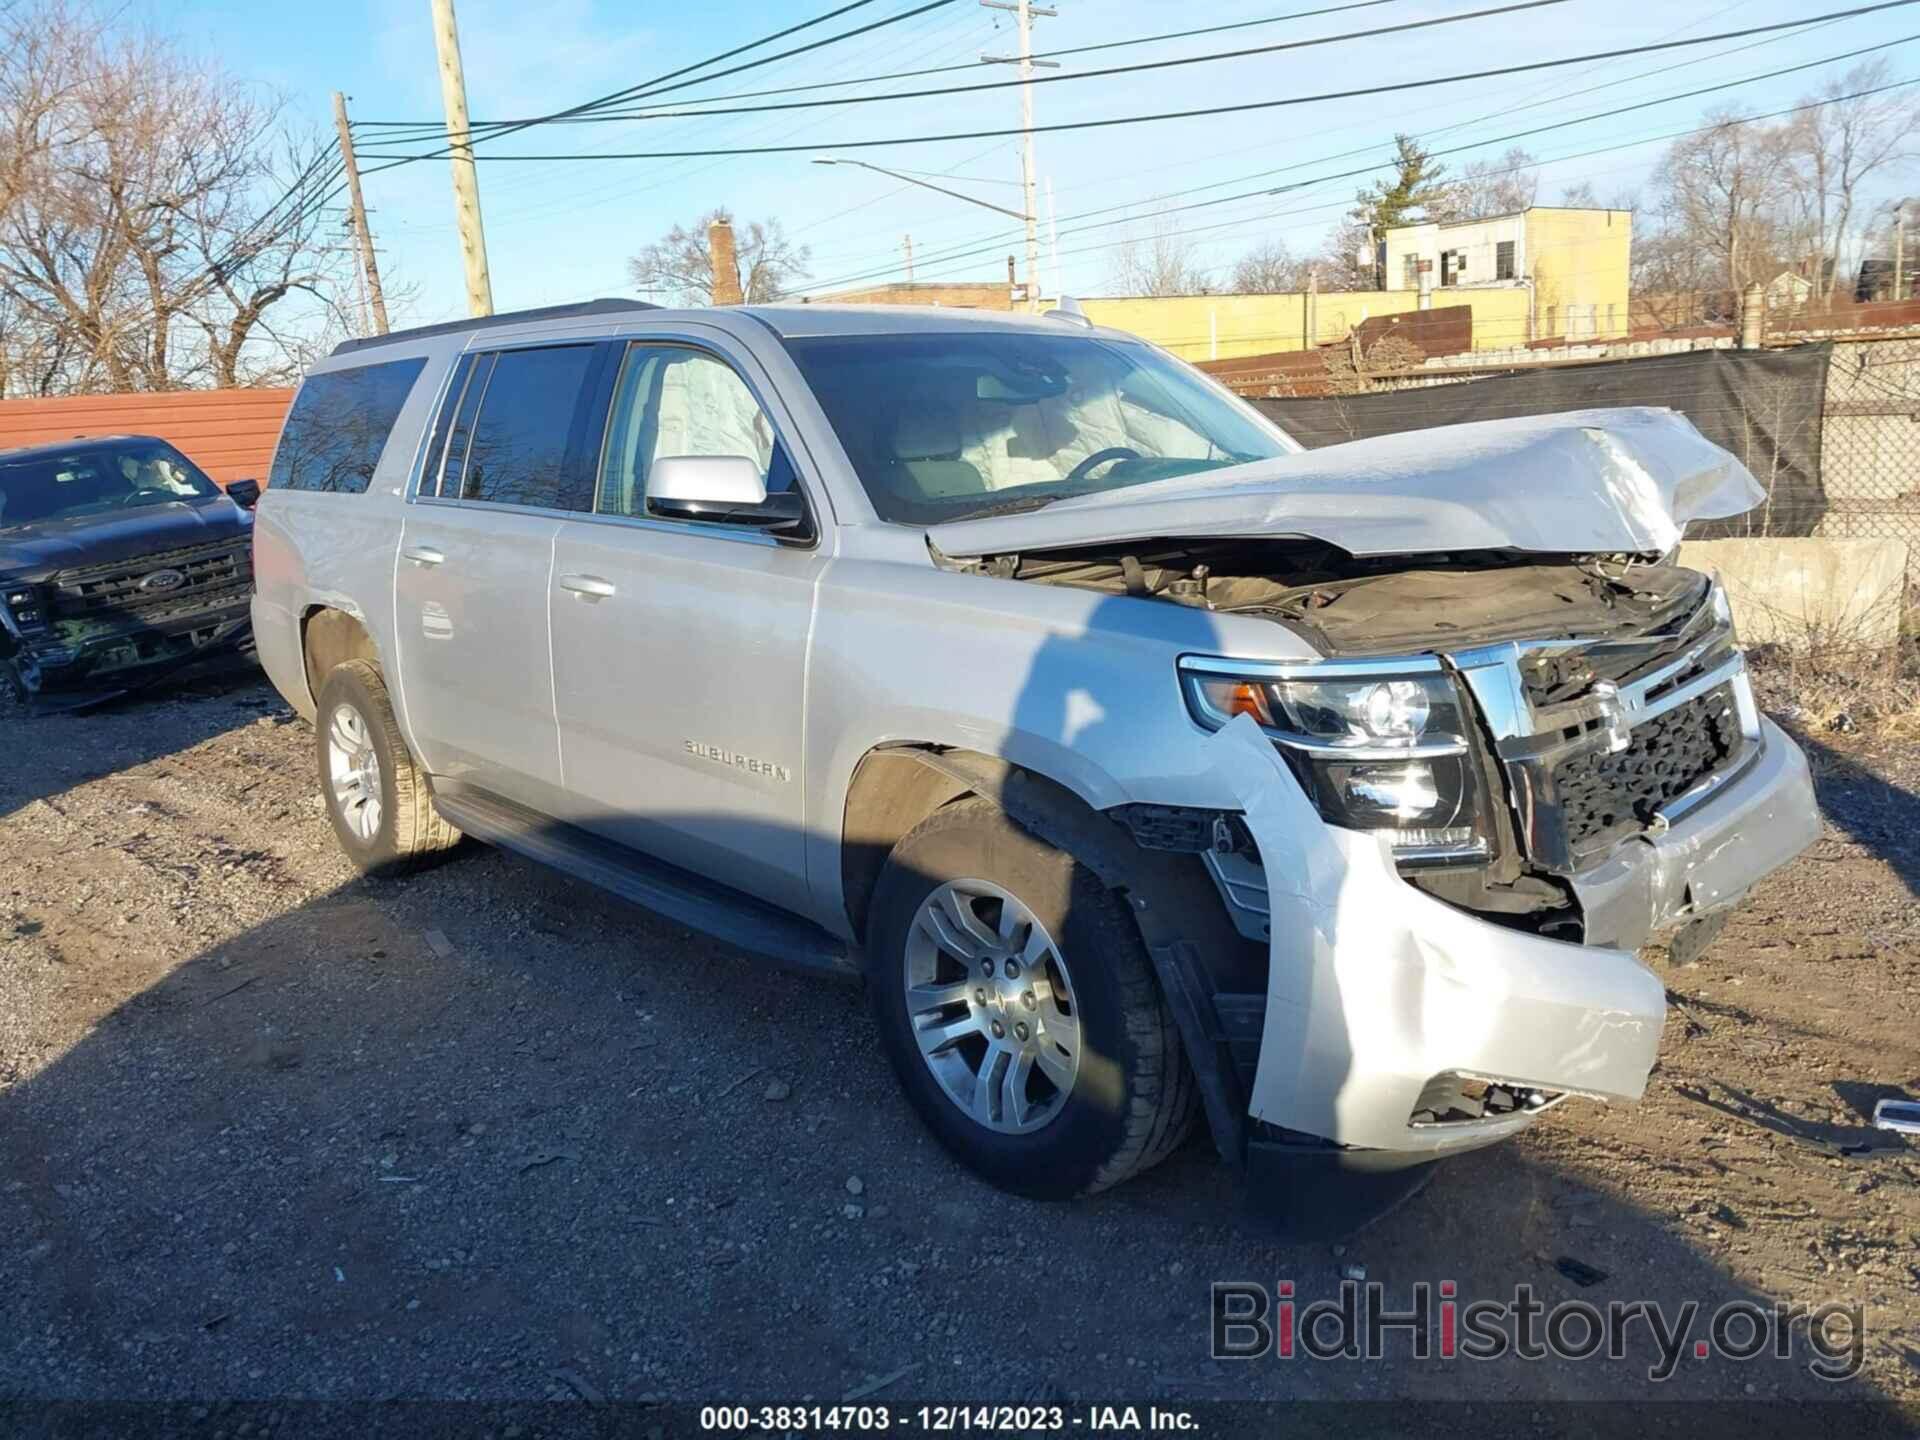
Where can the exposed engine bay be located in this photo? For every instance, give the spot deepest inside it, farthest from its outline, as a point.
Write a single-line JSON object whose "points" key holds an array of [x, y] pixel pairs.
{"points": [[1582, 626], [1348, 606]]}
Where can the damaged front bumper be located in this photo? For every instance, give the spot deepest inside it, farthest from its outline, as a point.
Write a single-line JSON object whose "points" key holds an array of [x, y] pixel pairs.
{"points": [[1400, 1029], [70, 666]]}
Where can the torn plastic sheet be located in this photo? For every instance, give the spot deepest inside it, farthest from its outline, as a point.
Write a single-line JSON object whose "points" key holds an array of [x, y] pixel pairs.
{"points": [[1590, 481], [1375, 987]]}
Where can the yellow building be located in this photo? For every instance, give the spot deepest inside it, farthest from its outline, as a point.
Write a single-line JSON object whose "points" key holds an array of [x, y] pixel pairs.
{"points": [[1573, 263], [1226, 327], [1546, 273], [955, 295]]}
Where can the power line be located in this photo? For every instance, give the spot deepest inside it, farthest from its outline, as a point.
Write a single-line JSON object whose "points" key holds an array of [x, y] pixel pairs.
{"points": [[864, 254], [257, 231], [992, 247], [1242, 108], [993, 242], [657, 85], [1097, 74], [933, 31], [428, 127], [626, 187], [1554, 160]]}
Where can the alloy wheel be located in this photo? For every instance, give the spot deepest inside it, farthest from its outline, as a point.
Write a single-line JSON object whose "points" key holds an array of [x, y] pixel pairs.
{"points": [[991, 1006], [353, 770]]}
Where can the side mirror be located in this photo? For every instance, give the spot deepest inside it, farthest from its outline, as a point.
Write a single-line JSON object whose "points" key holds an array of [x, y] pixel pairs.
{"points": [[726, 488], [244, 493]]}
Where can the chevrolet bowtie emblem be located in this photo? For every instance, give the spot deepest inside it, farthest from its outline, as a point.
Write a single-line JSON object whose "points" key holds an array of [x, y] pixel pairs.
{"points": [[1613, 714]]}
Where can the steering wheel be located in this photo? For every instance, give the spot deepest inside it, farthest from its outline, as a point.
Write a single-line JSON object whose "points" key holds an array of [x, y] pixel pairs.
{"points": [[133, 495], [1100, 457]]}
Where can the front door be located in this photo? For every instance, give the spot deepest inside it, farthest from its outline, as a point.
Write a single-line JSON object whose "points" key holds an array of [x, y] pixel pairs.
{"points": [[475, 566], [679, 648]]}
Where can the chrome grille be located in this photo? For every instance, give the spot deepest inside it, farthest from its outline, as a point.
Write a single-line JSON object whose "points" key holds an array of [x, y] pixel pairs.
{"points": [[1604, 794], [1624, 756], [211, 576]]}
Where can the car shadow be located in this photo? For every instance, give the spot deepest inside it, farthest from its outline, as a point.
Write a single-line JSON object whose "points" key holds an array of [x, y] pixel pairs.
{"points": [[176, 717], [491, 1134], [1873, 812]]}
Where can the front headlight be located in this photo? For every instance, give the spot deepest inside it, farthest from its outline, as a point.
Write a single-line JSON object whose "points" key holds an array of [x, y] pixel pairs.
{"points": [[23, 604], [1385, 747]]}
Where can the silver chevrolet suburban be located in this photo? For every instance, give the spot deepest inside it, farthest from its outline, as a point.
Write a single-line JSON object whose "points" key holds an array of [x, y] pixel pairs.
{"points": [[1142, 764]]}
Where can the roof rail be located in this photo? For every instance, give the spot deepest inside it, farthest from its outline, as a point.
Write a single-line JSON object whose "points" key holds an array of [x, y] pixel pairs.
{"points": [[609, 306]]}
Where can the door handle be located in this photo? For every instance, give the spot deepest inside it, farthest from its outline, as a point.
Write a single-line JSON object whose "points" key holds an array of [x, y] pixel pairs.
{"points": [[588, 587], [424, 555]]}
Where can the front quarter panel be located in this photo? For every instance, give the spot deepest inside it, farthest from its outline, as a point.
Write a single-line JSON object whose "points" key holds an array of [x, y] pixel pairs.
{"points": [[1079, 687]]}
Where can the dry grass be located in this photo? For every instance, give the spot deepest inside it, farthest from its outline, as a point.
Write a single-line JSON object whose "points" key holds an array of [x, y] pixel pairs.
{"points": [[1819, 682]]}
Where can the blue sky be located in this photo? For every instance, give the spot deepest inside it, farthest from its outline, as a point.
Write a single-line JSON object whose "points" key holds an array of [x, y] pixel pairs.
{"points": [[563, 231]]}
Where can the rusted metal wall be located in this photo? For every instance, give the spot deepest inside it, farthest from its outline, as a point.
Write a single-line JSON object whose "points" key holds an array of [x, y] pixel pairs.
{"points": [[228, 433]]}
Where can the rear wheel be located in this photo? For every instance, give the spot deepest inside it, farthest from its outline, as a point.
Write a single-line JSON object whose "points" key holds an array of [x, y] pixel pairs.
{"points": [[376, 795], [1020, 1009]]}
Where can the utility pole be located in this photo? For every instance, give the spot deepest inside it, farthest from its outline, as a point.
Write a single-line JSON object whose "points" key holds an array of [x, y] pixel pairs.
{"points": [[1899, 249], [1053, 242], [466, 184], [1024, 11], [907, 241], [357, 209], [359, 286]]}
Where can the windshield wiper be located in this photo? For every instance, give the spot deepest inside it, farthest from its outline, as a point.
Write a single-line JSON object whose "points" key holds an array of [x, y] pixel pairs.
{"points": [[1013, 507]]}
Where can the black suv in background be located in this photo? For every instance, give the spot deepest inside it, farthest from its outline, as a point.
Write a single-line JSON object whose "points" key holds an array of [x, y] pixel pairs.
{"points": [[121, 563]]}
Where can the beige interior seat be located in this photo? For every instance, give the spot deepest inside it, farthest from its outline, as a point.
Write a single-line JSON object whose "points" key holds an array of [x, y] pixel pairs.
{"points": [[926, 460]]}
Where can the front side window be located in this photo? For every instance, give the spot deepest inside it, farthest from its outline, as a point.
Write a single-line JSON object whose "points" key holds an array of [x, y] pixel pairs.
{"points": [[516, 423], [338, 426], [97, 480], [671, 401], [949, 426]]}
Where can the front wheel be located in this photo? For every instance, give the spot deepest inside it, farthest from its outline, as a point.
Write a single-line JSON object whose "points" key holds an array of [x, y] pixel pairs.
{"points": [[1020, 1010], [376, 795]]}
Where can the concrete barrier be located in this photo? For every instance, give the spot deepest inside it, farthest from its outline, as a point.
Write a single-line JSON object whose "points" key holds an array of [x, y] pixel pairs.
{"points": [[1839, 594]]}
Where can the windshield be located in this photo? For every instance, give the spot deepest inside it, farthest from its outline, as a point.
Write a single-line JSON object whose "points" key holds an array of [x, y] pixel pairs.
{"points": [[952, 426], [97, 480]]}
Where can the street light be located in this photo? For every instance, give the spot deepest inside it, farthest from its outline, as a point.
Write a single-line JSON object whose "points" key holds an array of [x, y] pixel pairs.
{"points": [[909, 180]]}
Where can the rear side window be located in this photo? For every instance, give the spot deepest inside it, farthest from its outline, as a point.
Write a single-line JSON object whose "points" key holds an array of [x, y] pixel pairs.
{"points": [[516, 443], [339, 425]]}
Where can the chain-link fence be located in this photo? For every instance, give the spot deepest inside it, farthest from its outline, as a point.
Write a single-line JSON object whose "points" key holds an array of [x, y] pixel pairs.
{"points": [[1870, 464]]}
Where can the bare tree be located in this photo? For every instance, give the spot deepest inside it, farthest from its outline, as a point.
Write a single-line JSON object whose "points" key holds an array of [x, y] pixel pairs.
{"points": [[1723, 190], [1158, 261], [141, 245], [680, 265], [1270, 268], [1485, 188], [1839, 148]]}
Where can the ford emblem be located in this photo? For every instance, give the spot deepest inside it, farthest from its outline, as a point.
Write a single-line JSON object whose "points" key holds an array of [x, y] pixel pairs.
{"points": [[163, 580]]}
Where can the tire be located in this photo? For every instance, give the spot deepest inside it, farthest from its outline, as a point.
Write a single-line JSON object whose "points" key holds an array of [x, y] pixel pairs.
{"points": [[1131, 1099], [406, 831]]}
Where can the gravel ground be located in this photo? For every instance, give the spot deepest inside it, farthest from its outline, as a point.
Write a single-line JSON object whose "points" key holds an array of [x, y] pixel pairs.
{"points": [[268, 1130]]}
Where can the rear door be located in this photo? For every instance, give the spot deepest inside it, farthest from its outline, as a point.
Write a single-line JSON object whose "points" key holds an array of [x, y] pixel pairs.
{"points": [[507, 464], [680, 647]]}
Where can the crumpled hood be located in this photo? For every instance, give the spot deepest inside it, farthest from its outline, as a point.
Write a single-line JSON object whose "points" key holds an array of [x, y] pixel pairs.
{"points": [[1624, 480], [32, 552]]}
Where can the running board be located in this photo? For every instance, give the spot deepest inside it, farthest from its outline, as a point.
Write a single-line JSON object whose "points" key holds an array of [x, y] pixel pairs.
{"points": [[679, 895]]}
